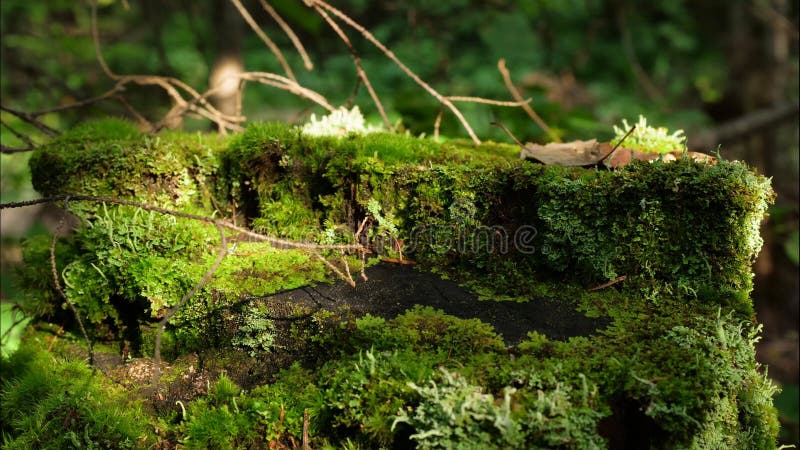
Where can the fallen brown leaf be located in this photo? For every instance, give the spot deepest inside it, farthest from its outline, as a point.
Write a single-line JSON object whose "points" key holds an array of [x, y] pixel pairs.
{"points": [[575, 153]]}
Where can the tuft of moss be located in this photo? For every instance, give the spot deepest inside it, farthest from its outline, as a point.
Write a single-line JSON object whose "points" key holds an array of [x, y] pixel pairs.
{"points": [[110, 157], [54, 404]]}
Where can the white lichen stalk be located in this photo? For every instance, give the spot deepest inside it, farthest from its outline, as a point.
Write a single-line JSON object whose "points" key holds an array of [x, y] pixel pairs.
{"points": [[340, 122]]}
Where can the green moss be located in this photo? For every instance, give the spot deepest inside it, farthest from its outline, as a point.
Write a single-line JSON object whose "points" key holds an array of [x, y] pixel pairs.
{"points": [[100, 157], [53, 404], [257, 269], [676, 361]]}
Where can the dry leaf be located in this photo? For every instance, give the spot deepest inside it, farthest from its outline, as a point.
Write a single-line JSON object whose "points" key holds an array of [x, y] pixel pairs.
{"points": [[590, 153], [575, 153]]}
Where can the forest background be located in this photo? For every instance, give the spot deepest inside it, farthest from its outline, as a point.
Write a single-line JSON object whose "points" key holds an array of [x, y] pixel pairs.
{"points": [[724, 72]]}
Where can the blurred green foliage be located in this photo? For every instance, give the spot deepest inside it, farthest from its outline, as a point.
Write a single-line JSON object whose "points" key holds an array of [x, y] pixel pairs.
{"points": [[585, 54]]}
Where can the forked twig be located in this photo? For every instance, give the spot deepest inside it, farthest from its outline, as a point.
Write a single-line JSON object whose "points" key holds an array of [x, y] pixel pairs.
{"points": [[347, 278], [364, 32], [286, 84], [272, 47], [289, 32], [501, 66], [357, 61], [170, 85], [31, 120]]}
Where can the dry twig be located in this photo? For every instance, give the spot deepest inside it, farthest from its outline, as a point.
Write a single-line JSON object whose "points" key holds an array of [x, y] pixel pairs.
{"points": [[364, 32], [31, 120], [272, 47], [501, 66], [608, 284], [29, 145], [289, 32], [362, 75], [223, 251], [58, 287], [286, 84], [489, 101], [276, 242], [198, 103]]}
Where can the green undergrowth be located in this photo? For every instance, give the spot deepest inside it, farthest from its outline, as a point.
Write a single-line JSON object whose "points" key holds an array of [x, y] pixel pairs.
{"points": [[431, 380], [53, 403], [668, 247]]}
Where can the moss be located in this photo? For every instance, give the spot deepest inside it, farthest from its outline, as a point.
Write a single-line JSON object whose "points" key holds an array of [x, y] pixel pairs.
{"points": [[99, 157], [257, 269], [53, 404], [676, 362], [591, 225]]}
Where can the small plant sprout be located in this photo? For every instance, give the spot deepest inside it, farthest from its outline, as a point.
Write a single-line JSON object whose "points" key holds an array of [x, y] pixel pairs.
{"points": [[649, 139], [339, 123]]}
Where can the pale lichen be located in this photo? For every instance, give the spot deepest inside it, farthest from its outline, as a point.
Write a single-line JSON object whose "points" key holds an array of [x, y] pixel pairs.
{"points": [[339, 123], [649, 139]]}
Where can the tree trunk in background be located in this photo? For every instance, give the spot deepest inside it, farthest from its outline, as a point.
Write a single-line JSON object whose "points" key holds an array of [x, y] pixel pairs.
{"points": [[228, 63]]}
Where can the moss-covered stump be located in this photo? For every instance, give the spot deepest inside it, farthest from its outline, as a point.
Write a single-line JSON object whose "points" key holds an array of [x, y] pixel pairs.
{"points": [[654, 258]]}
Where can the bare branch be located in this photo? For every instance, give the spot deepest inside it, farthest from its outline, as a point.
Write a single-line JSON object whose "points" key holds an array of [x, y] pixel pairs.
{"points": [[286, 84], [116, 89], [221, 226], [501, 66], [357, 61], [489, 101], [346, 19], [289, 32], [31, 120], [347, 278], [752, 122], [11, 150], [273, 48], [16, 133], [57, 283], [223, 251], [223, 121], [96, 40], [139, 118], [8, 150], [509, 133], [276, 242]]}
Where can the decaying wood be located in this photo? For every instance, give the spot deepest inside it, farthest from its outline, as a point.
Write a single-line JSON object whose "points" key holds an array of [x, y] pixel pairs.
{"points": [[623, 156]]}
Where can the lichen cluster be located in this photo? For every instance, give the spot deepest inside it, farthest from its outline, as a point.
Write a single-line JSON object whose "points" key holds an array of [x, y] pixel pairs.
{"points": [[649, 139], [675, 367]]}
